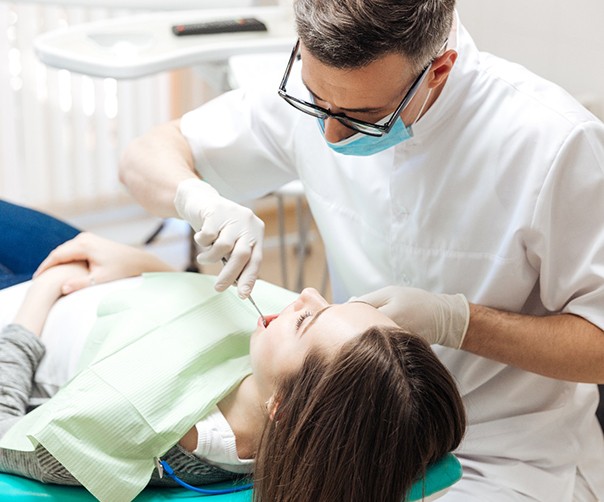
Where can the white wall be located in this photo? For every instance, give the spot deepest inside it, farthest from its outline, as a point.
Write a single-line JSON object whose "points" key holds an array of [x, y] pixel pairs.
{"points": [[147, 4], [560, 40]]}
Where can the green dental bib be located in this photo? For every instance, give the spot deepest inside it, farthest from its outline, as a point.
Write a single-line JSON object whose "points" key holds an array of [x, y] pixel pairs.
{"points": [[157, 360]]}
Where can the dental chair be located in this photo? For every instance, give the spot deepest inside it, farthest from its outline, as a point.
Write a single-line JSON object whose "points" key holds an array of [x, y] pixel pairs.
{"points": [[439, 478]]}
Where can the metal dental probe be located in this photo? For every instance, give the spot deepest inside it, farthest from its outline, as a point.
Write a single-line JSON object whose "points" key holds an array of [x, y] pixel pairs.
{"points": [[264, 323]]}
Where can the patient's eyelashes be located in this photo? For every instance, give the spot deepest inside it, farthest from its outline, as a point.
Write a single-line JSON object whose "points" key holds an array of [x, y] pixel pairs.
{"points": [[301, 318]]}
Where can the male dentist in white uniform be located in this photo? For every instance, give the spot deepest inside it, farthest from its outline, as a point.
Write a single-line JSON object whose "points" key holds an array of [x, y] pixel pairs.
{"points": [[459, 193]]}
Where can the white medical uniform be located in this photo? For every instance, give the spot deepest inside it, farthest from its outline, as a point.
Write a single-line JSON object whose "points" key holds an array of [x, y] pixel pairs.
{"points": [[500, 196]]}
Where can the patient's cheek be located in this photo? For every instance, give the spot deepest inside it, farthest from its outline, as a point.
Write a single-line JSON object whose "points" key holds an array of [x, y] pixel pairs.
{"points": [[189, 441]]}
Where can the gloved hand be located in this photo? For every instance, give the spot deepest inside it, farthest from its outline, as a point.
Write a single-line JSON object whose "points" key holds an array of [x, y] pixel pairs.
{"points": [[224, 229], [438, 318]]}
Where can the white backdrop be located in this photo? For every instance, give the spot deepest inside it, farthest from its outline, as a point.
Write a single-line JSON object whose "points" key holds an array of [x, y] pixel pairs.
{"points": [[560, 40]]}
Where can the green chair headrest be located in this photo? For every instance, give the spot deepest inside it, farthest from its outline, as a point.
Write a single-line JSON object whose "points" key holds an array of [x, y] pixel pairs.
{"points": [[441, 475]]}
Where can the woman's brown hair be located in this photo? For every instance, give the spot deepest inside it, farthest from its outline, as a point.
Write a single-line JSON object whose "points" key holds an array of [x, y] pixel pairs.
{"points": [[361, 426]]}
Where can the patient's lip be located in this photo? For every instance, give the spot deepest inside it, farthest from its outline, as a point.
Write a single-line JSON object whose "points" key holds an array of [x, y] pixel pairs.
{"points": [[269, 318]]}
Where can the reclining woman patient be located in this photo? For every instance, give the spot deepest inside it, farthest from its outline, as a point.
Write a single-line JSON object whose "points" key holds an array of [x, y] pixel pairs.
{"points": [[338, 404]]}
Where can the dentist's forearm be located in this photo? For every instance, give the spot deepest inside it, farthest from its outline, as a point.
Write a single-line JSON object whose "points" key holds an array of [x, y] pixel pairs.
{"points": [[565, 346], [154, 164]]}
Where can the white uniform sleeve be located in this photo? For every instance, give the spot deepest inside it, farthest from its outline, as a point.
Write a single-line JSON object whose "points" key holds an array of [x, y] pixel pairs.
{"points": [[569, 227], [243, 142]]}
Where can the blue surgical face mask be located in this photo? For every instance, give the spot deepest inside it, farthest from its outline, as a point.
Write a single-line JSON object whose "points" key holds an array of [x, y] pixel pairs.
{"points": [[362, 145]]}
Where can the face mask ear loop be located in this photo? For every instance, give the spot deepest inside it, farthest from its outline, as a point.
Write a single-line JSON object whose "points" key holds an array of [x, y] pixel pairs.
{"points": [[421, 110]]}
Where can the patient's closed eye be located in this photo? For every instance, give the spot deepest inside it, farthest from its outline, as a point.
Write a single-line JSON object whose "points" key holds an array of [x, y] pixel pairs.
{"points": [[301, 318]]}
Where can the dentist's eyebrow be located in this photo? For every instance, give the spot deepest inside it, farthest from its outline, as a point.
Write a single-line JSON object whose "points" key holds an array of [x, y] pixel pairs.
{"points": [[354, 110], [314, 319]]}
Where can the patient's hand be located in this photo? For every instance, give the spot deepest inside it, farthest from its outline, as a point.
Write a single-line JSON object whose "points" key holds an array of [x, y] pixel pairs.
{"points": [[106, 261], [53, 279], [44, 291]]}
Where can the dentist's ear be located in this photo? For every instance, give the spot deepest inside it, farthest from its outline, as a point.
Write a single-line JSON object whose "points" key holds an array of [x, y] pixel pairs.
{"points": [[441, 68]]}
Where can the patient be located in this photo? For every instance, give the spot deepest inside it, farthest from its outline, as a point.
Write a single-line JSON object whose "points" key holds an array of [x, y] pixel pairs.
{"points": [[341, 404]]}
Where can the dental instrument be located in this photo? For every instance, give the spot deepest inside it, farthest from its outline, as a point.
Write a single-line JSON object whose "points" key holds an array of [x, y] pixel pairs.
{"points": [[264, 323]]}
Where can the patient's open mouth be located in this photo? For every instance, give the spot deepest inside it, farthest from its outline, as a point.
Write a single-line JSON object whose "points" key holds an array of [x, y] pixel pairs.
{"points": [[269, 318]]}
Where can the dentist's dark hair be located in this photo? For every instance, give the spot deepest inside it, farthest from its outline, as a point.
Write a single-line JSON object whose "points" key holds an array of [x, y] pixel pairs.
{"points": [[359, 426], [353, 33]]}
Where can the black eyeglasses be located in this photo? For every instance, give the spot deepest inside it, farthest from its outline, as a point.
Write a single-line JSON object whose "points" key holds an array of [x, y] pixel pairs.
{"points": [[358, 125]]}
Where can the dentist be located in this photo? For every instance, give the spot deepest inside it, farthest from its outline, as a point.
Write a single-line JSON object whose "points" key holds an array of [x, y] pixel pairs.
{"points": [[459, 193]]}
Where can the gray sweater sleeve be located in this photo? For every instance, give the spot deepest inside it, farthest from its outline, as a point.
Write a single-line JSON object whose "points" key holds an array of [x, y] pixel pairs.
{"points": [[20, 354]]}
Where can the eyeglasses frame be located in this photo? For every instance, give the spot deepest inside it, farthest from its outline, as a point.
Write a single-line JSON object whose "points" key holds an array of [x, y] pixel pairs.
{"points": [[352, 123]]}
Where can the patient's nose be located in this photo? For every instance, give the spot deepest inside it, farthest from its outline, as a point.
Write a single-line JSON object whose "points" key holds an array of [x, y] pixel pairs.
{"points": [[311, 298]]}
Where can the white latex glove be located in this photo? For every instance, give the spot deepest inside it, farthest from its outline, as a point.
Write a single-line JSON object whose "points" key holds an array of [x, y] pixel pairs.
{"points": [[438, 318], [224, 229]]}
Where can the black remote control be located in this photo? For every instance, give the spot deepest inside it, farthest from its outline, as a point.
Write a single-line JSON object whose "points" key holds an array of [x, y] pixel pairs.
{"points": [[234, 25]]}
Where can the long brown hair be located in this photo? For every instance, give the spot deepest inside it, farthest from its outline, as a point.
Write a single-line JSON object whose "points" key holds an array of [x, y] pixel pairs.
{"points": [[361, 426]]}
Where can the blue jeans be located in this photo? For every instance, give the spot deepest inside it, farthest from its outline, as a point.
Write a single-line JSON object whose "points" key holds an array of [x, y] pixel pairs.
{"points": [[26, 238]]}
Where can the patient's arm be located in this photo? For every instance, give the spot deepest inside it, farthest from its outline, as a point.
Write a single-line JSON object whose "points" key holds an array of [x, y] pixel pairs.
{"points": [[20, 349], [107, 261], [43, 292], [20, 354]]}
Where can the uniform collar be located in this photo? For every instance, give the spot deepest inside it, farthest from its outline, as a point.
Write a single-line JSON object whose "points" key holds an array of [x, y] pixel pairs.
{"points": [[458, 82]]}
